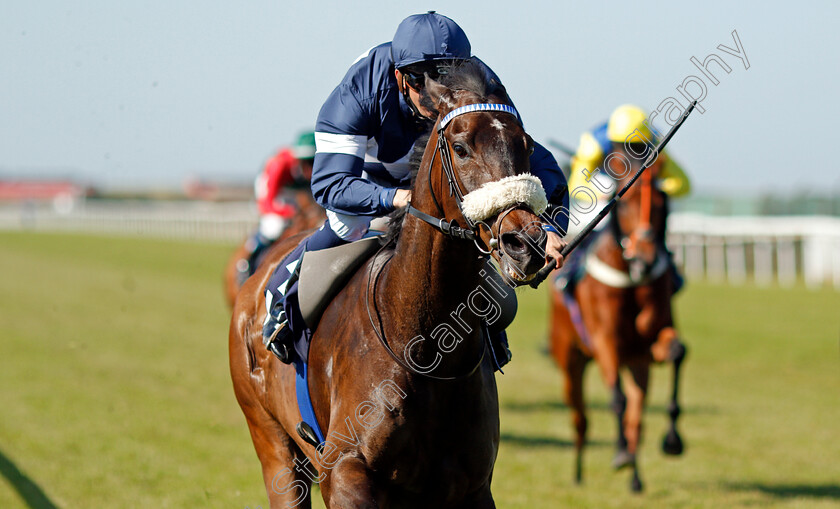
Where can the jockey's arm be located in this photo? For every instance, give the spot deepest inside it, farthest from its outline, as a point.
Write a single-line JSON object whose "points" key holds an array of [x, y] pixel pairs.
{"points": [[270, 183], [337, 185], [341, 140], [672, 179], [586, 163], [284, 175], [545, 167]]}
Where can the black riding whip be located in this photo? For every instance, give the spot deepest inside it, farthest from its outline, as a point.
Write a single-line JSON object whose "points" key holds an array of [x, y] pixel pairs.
{"points": [[543, 273], [562, 147]]}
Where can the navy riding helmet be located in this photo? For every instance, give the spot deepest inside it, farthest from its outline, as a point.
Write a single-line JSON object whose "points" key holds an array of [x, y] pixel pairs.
{"points": [[428, 37]]}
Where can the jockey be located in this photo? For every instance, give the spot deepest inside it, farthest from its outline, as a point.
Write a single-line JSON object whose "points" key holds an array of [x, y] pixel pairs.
{"points": [[625, 121], [597, 143], [364, 136], [289, 168]]}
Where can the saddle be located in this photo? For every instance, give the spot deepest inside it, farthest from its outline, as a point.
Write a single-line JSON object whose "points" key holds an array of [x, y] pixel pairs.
{"points": [[322, 275]]}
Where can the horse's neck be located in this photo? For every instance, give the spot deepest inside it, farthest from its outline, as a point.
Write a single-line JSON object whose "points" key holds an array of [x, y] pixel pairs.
{"points": [[438, 266], [428, 279], [607, 246], [608, 251]]}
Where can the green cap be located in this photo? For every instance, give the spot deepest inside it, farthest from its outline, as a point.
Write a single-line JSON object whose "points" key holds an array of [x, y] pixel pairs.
{"points": [[304, 148]]}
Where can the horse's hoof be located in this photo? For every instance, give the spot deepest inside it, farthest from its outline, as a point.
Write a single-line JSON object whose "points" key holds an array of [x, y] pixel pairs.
{"points": [[636, 484], [672, 444], [623, 459], [677, 352]]}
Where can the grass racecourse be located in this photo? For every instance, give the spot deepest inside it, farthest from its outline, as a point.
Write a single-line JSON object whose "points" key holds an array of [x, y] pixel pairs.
{"points": [[115, 392]]}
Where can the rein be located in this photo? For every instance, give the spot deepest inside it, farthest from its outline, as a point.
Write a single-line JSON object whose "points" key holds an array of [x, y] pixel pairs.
{"points": [[451, 228], [618, 278], [624, 240], [647, 198]]}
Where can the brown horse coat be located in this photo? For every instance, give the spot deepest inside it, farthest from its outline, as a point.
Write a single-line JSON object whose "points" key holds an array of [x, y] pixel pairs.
{"points": [[309, 215], [630, 325], [394, 436]]}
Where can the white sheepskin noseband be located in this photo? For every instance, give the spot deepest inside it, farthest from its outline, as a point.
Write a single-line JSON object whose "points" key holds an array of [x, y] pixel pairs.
{"points": [[494, 197]]}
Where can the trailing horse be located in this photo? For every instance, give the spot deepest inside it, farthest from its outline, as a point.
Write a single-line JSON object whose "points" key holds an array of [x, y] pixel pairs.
{"points": [[309, 215], [400, 376], [620, 314]]}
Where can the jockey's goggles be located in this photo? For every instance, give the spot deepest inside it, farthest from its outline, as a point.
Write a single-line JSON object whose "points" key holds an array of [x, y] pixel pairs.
{"points": [[639, 150], [415, 74]]}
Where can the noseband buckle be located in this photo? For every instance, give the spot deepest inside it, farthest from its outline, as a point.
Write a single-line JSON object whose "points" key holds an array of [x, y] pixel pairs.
{"points": [[444, 226], [453, 230]]}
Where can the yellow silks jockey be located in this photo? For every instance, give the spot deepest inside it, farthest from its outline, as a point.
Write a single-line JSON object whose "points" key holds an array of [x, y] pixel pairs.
{"points": [[627, 121]]}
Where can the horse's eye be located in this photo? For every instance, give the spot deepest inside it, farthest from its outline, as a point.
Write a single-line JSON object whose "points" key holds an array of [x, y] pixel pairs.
{"points": [[531, 150], [460, 151]]}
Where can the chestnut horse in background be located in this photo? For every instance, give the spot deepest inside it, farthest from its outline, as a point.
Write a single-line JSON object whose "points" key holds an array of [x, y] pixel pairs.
{"points": [[625, 311], [400, 375], [309, 215]]}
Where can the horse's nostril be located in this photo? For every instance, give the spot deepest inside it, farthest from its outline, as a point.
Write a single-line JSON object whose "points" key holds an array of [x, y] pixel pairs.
{"points": [[513, 243]]}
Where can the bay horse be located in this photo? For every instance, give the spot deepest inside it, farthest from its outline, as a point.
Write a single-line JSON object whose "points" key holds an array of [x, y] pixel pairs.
{"points": [[623, 316], [309, 215], [400, 375]]}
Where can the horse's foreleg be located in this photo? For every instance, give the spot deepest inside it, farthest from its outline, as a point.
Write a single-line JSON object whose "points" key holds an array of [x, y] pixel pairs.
{"points": [[636, 392], [285, 484], [349, 486], [623, 457], [667, 347], [572, 362], [574, 368], [287, 481], [481, 499], [672, 443], [607, 356]]}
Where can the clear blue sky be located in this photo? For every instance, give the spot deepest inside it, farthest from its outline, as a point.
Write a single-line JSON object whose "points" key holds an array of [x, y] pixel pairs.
{"points": [[145, 93]]}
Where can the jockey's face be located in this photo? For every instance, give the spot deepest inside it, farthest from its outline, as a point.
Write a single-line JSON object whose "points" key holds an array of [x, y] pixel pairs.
{"points": [[413, 94]]}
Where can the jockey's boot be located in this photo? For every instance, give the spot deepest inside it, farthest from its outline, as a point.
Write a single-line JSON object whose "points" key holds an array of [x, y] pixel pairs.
{"points": [[255, 245], [677, 279], [277, 335], [280, 333], [572, 270]]}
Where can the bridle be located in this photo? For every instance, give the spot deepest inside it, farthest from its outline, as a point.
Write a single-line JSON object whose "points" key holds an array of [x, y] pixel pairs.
{"points": [[611, 276], [449, 228], [452, 228], [646, 203]]}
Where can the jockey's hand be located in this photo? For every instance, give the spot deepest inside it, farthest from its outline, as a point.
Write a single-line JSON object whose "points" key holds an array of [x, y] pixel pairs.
{"points": [[402, 198], [553, 245]]}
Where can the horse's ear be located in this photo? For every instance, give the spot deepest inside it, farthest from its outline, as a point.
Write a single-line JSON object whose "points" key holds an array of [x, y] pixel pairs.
{"points": [[437, 93], [498, 90]]}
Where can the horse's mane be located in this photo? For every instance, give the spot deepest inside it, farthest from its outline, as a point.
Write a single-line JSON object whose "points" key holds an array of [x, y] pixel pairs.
{"points": [[396, 218], [469, 76]]}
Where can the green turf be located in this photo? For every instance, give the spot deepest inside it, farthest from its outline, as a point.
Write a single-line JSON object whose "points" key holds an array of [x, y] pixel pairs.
{"points": [[116, 393]]}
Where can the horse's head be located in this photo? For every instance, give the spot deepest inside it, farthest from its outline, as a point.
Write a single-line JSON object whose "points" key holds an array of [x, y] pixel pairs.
{"points": [[639, 218], [479, 173]]}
